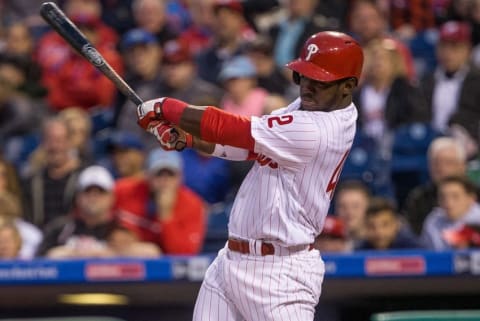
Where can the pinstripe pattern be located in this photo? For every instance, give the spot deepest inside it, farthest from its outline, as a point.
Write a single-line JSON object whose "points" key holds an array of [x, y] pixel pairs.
{"points": [[285, 205], [288, 204], [248, 287]]}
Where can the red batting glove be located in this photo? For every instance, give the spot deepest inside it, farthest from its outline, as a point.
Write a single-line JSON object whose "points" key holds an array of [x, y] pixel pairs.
{"points": [[171, 138]]}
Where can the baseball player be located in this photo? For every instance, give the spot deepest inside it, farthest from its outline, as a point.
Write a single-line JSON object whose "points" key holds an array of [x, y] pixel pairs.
{"points": [[269, 269]]}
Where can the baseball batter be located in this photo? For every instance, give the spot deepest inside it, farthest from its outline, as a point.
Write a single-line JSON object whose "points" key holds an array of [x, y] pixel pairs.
{"points": [[269, 269]]}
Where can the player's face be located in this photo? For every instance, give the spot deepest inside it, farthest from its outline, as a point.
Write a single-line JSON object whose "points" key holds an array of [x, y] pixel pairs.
{"points": [[325, 96]]}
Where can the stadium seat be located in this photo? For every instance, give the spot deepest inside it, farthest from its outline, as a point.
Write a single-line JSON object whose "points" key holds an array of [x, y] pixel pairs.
{"points": [[409, 164], [461, 315], [364, 163], [17, 149]]}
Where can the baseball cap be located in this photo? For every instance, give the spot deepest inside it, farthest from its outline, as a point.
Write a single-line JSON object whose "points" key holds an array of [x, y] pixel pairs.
{"points": [[137, 37], [333, 227], [95, 176], [237, 67], [468, 234], [125, 140], [230, 4], [455, 31], [176, 51], [160, 159]]}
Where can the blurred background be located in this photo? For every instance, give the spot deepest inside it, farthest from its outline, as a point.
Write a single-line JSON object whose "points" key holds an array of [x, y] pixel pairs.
{"points": [[89, 205]]}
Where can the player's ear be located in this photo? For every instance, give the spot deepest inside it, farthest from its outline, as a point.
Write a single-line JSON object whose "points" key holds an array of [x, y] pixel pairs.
{"points": [[348, 86]]}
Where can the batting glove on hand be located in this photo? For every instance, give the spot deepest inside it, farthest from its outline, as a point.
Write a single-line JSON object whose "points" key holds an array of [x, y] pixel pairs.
{"points": [[160, 109], [149, 113], [170, 138]]}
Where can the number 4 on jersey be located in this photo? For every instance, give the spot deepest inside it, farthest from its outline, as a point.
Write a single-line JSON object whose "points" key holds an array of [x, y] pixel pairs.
{"points": [[336, 175]]}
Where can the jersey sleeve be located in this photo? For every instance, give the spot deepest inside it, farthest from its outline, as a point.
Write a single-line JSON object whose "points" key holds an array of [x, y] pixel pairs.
{"points": [[290, 140]]}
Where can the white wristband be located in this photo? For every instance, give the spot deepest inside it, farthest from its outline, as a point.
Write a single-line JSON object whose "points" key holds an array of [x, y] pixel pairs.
{"points": [[230, 153]]}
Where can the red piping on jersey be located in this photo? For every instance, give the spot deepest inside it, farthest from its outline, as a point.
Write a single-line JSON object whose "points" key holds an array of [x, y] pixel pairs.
{"points": [[220, 127]]}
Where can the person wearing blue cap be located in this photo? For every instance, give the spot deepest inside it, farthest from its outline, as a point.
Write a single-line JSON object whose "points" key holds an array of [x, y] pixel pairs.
{"points": [[159, 208], [143, 58], [127, 154], [243, 97]]}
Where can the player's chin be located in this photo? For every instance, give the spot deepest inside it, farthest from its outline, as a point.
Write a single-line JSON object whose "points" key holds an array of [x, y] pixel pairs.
{"points": [[308, 103]]}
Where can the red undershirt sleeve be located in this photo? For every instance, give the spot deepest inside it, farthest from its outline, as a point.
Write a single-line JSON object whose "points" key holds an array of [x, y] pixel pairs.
{"points": [[220, 127]]}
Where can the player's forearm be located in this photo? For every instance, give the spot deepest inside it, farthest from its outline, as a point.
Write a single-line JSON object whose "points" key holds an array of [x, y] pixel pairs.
{"points": [[203, 146], [210, 124]]}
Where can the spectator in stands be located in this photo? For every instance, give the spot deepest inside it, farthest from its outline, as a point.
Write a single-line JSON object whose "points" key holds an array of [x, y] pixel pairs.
{"points": [[124, 243], [269, 76], [160, 209], [127, 153], [411, 17], [151, 16], [52, 175], [180, 76], [71, 80], [333, 237], [199, 35], [79, 126], [452, 91], [10, 242], [242, 95], [83, 232], [230, 33], [11, 213], [143, 57], [291, 32], [368, 22], [20, 44], [18, 114], [274, 102], [475, 23], [458, 205], [9, 179], [387, 99], [351, 203], [446, 157], [76, 82], [384, 228]]}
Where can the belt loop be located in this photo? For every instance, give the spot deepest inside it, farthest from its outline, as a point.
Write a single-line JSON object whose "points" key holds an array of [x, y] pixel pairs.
{"points": [[252, 246], [258, 247]]}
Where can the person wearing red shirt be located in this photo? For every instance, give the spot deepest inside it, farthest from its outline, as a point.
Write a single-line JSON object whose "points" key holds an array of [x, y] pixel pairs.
{"points": [[70, 79], [160, 209]]}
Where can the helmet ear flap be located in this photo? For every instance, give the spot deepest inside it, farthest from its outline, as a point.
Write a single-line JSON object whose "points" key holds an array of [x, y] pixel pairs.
{"points": [[296, 78]]}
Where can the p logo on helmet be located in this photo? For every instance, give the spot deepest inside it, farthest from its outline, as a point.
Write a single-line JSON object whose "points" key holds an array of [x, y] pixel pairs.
{"points": [[328, 56], [312, 49]]}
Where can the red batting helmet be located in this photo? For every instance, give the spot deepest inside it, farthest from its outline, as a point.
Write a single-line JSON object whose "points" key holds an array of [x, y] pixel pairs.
{"points": [[328, 56]]}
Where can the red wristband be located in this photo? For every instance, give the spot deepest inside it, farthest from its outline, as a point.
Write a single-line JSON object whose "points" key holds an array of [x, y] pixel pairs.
{"points": [[172, 110]]}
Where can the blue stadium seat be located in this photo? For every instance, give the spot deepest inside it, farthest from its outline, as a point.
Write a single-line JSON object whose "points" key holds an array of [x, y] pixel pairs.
{"points": [[409, 164], [364, 163], [18, 149], [410, 145]]}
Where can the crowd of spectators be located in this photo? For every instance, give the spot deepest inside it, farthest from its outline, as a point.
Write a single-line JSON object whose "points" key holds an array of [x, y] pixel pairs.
{"points": [[79, 178]]}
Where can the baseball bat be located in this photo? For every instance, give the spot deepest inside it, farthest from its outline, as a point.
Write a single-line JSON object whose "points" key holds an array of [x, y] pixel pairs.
{"points": [[55, 17]]}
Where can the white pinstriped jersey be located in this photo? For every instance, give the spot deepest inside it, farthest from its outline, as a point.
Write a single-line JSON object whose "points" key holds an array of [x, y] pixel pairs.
{"points": [[286, 195]]}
